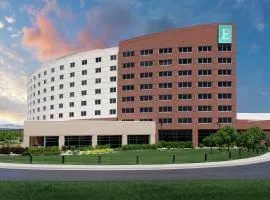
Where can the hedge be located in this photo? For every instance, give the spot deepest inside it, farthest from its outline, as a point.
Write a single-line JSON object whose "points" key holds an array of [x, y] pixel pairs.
{"points": [[16, 150], [42, 151]]}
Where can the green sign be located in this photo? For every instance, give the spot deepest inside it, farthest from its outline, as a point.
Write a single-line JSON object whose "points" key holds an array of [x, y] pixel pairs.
{"points": [[225, 34]]}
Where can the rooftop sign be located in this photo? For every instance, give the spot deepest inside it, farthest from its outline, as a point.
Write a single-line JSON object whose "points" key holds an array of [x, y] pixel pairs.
{"points": [[225, 34]]}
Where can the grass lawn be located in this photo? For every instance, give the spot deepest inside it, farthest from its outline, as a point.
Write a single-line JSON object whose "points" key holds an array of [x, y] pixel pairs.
{"points": [[129, 157], [137, 190]]}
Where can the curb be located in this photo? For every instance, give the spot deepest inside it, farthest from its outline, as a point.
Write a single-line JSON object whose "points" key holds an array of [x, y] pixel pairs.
{"points": [[246, 161]]}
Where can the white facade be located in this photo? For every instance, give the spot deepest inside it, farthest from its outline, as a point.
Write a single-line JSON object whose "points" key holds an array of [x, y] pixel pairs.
{"points": [[253, 116], [48, 101]]}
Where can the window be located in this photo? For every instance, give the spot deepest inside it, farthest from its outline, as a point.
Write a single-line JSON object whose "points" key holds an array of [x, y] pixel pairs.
{"points": [[165, 120], [185, 120], [146, 109], [127, 87], [224, 72], [112, 100], [61, 77], [98, 59], [72, 84], [83, 103], [52, 80], [52, 97], [224, 108], [224, 47], [224, 84], [72, 74], [98, 70], [225, 120], [45, 73], [84, 72], [113, 90], [113, 57], [165, 50], [128, 65], [52, 107], [146, 120], [146, 75], [84, 92], [71, 94], [127, 110], [224, 60], [98, 80], [51, 116], [204, 60], [127, 76], [52, 88], [146, 52], [146, 63], [61, 96], [84, 62], [97, 91], [113, 68], [165, 74], [113, 79], [71, 114], [128, 53], [184, 108], [204, 48], [44, 108], [71, 104], [128, 99], [185, 84], [39, 75], [60, 115], [83, 113], [44, 117], [72, 64], [205, 96], [204, 84], [204, 120], [185, 73], [146, 98], [185, 49], [225, 96], [165, 62], [45, 81], [61, 105], [112, 111], [165, 109], [165, 97], [44, 90], [97, 101], [204, 108], [61, 67], [165, 85], [185, 61], [84, 82], [146, 86]]}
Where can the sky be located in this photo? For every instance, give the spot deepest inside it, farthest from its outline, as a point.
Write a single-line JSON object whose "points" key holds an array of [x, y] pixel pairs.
{"points": [[35, 31]]}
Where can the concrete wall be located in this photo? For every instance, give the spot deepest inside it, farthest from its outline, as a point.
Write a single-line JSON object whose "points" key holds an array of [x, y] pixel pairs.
{"points": [[88, 127]]}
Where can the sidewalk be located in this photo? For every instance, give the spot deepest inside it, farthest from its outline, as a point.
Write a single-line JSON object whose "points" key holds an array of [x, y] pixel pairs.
{"points": [[246, 161]]}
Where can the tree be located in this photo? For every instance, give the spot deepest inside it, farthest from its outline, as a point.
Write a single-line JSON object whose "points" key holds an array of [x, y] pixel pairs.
{"points": [[240, 140], [210, 142], [254, 136], [228, 135]]}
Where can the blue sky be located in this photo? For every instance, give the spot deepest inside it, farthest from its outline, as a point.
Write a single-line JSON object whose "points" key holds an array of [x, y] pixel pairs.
{"points": [[34, 31]]}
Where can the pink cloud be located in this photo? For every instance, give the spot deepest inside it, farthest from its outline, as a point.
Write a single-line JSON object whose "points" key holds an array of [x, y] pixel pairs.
{"points": [[45, 39]]}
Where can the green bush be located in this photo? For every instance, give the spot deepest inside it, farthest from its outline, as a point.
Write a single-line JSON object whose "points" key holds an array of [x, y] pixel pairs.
{"points": [[161, 144], [103, 147], [43, 151]]}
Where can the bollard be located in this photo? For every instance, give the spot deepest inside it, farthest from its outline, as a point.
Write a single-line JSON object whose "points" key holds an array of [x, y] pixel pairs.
{"points": [[30, 159], [239, 152], [63, 159], [230, 155], [205, 157], [99, 159], [137, 159], [173, 159]]}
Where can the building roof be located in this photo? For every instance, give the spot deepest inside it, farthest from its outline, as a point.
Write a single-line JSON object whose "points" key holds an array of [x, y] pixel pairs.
{"points": [[253, 116]]}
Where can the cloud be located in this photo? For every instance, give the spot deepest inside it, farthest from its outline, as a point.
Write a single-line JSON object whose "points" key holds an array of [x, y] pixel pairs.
{"points": [[260, 26], [10, 29], [15, 35], [4, 4], [10, 54], [10, 20], [262, 93], [254, 48], [82, 4], [1, 25], [45, 39]]}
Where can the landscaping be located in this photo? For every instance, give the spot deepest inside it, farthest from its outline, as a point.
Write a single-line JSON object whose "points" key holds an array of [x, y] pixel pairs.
{"points": [[137, 190]]}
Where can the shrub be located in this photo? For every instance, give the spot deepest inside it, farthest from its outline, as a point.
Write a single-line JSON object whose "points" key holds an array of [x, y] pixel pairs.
{"points": [[16, 150], [43, 151], [65, 148], [103, 146]]}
